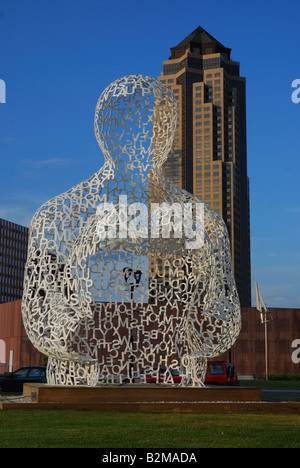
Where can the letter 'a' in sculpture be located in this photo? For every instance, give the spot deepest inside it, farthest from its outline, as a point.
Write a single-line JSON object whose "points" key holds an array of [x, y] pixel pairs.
{"points": [[123, 274]]}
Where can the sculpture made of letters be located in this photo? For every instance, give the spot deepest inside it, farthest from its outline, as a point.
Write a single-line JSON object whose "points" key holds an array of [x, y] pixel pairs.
{"points": [[127, 273]]}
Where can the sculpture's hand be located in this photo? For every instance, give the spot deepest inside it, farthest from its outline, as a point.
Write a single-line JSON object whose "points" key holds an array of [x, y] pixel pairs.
{"points": [[50, 318]]}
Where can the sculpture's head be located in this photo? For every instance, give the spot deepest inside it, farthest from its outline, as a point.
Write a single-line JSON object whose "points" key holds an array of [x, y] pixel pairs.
{"points": [[135, 121]]}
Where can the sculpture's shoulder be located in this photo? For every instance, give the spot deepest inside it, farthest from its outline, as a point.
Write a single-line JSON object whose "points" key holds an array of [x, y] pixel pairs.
{"points": [[204, 219], [73, 205], [211, 218]]}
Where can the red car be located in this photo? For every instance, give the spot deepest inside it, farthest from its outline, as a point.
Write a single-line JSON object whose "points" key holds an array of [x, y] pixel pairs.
{"points": [[218, 372], [221, 372], [156, 377]]}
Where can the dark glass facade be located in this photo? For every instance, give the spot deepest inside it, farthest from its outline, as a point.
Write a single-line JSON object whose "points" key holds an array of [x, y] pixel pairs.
{"points": [[13, 253]]}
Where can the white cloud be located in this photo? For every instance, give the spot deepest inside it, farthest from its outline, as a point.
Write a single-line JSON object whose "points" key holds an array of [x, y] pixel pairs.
{"points": [[19, 214], [8, 140], [293, 209], [46, 163]]}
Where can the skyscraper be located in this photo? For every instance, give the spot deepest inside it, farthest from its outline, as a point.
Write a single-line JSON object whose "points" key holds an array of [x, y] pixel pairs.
{"points": [[209, 155], [13, 253]]}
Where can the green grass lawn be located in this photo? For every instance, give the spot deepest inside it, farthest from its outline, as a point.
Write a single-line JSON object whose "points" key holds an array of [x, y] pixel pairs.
{"points": [[85, 429]]}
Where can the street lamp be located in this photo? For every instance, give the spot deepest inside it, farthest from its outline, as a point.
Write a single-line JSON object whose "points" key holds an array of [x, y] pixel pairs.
{"points": [[264, 311], [132, 278]]}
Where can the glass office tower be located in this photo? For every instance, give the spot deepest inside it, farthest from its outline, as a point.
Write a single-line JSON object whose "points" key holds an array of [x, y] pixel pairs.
{"points": [[209, 155]]}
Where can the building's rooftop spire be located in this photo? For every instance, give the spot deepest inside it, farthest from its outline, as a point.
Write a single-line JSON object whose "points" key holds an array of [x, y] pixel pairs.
{"points": [[199, 41]]}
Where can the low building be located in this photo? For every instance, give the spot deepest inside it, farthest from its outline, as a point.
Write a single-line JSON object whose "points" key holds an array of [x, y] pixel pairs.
{"points": [[15, 348], [248, 353], [283, 332]]}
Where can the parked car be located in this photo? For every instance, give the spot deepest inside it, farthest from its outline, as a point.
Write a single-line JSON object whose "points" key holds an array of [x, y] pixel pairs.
{"points": [[14, 382], [163, 375], [155, 376], [218, 372]]}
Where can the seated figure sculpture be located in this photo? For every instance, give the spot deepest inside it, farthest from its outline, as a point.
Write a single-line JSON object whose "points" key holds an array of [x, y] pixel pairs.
{"points": [[127, 273]]}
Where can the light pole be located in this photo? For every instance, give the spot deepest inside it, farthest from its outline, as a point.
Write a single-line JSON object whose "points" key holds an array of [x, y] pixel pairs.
{"points": [[264, 320], [132, 278]]}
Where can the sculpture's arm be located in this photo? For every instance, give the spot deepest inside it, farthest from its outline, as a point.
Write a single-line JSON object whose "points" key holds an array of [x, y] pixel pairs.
{"points": [[217, 325], [50, 319]]}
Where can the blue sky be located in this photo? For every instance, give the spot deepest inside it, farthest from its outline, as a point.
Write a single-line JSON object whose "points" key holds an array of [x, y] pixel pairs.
{"points": [[56, 57]]}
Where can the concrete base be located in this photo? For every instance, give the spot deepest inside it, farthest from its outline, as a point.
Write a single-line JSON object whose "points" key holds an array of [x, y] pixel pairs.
{"points": [[137, 393], [148, 398]]}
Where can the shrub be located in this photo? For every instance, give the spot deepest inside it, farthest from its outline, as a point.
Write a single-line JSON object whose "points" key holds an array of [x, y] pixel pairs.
{"points": [[288, 377]]}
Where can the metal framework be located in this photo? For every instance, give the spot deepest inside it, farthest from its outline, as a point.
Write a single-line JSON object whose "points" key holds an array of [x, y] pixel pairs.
{"points": [[127, 273]]}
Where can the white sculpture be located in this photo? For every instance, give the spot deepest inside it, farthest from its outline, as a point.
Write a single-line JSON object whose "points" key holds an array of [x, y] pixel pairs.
{"points": [[127, 272]]}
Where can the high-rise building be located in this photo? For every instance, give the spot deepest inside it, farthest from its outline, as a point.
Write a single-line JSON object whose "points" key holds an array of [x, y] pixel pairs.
{"points": [[209, 154], [13, 253]]}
